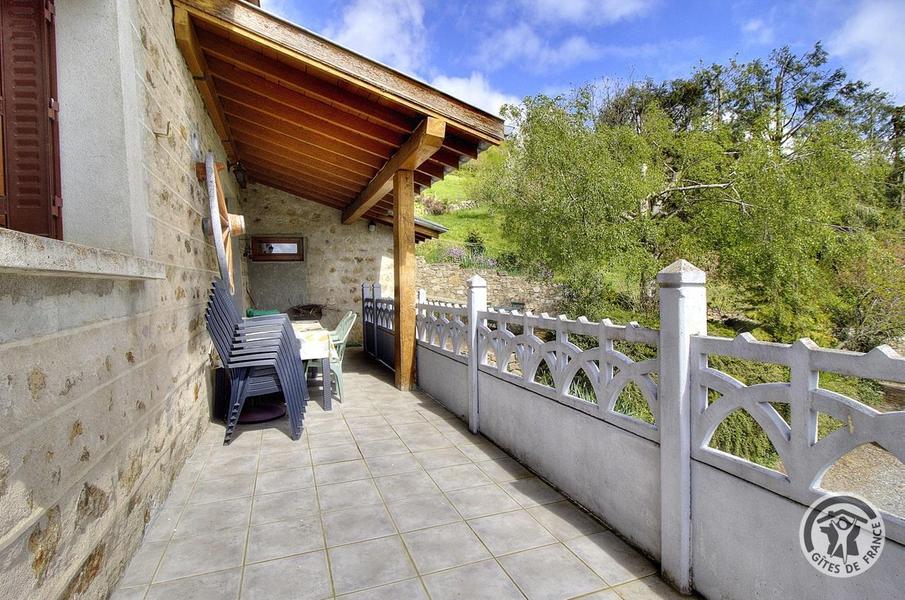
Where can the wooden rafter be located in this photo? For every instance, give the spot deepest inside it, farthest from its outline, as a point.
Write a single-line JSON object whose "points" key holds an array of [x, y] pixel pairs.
{"points": [[301, 82], [194, 59], [426, 139]]}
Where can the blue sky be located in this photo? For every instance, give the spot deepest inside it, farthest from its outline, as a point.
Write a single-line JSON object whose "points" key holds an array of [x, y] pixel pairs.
{"points": [[493, 51]]}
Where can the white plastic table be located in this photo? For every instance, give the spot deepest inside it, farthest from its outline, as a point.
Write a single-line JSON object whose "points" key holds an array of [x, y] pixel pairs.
{"points": [[315, 345]]}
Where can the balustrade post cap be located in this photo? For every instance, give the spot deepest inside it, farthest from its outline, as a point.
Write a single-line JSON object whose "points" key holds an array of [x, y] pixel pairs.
{"points": [[477, 281], [681, 272]]}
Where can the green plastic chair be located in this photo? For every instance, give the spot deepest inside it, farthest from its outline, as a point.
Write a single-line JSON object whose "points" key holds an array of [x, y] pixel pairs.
{"points": [[338, 339]]}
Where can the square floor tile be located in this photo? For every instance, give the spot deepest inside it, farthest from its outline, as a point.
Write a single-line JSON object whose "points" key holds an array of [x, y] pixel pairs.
{"points": [[341, 472], [611, 558], [369, 564], [410, 589], [212, 586], [444, 547], [481, 451], [510, 532], [357, 525], [459, 477], [131, 593], [284, 460], [284, 538], [392, 464], [504, 469], [202, 554], [444, 457], [531, 492], [283, 506], [422, 442], [649, 588], [420, 512], [300, 577], [359, 423], [565, 520], [224, 488], [282, 442], [270, 482], [338, 496], [383, 448], [218, 467], [479, 581], [551, 573], [404, 417], [373, 434], [482, 501], [405, 485], [143, 564], [332, 454], [198, 519], [164, 523], [327, 440]]}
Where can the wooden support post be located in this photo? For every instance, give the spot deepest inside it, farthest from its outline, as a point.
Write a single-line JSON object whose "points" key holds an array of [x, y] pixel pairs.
{"points": [[404, 276]]}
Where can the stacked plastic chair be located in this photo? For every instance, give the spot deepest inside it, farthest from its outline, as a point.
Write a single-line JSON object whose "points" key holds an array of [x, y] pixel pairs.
{"points": [[261, 355]]}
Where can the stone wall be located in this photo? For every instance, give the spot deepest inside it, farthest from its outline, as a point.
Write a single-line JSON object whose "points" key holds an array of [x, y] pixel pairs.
{"points": [[338, 258], [449, 281], [104, 384]]}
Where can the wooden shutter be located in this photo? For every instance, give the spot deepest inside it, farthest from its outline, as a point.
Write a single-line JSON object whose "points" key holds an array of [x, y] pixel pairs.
{"points": [[30, 189]]}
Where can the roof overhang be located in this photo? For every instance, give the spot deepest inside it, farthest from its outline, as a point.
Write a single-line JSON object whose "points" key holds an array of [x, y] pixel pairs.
{"points": [[319, 121]]}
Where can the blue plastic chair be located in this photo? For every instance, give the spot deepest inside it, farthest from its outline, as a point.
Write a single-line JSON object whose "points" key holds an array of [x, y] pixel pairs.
{"points": [[261, 355]]}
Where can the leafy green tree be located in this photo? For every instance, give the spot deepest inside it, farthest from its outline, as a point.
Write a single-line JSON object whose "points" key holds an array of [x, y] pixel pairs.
{"points": [[776, 175]]}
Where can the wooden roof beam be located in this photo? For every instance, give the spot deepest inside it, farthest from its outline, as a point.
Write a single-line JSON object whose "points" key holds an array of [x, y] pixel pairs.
{"points": [[426, 139], [194, 59], [303, 48]]}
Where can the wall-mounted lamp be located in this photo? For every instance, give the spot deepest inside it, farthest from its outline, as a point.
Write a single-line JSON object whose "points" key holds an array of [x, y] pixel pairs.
{"points": [[372, 226], [241, 175]]}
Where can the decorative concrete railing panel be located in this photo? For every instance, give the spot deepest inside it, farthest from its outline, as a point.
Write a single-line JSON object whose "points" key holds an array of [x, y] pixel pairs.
{"points": [[805, 458], [519, 357]]}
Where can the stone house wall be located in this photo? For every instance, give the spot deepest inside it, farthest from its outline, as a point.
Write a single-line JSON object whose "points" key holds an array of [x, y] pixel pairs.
{"points": [[338, 258], [449, 282], [104, 384]]}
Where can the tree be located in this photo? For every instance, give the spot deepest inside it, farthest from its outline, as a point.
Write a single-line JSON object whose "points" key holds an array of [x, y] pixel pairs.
{"points": [[771, 174]]}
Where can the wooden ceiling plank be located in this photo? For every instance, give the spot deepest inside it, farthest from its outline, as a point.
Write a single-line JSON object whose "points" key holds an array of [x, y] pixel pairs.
{"points": [[302, 164], [426, 139], [293, 189], [263, 103], [242, 128], [188, 44], [294, 100], [299, 81], [341, 190], [264, 120], [299, 188]]}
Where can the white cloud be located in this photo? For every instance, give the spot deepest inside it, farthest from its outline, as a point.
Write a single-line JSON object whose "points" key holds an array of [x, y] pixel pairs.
{"points": [[475, 90], [586, 12], [286, 9], [758, 31], [391, 31], [873, 42], [521, 44]]}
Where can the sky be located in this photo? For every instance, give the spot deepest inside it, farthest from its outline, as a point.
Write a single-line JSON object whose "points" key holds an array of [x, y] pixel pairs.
{"points": [[490, 52]]}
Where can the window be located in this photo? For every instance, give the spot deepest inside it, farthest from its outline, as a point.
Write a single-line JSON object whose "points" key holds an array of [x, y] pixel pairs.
{"points": [[277, 248], [29, 138]]}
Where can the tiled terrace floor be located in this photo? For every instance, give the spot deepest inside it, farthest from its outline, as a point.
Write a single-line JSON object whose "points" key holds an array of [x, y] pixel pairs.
{"points": [[386, 497]]}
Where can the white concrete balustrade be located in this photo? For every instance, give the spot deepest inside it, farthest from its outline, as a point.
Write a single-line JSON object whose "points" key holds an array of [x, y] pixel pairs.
{"points": [[717, 523]]}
